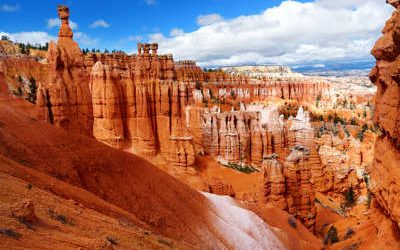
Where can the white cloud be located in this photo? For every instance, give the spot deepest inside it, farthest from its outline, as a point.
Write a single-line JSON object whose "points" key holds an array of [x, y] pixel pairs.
{"points": [[131, 39], [293, 32], [99, 24], [32, 37], [204, 20], [134, 38], [9, 7], [176, 32], [40, 37], [150, 2], [85, 40], [55, 22]]}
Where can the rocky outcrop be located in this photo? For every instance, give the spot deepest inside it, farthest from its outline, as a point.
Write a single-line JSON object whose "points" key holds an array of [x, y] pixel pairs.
{"points": [[300, 195], [24, 212], [302, 90], [64, 99], [243, 136], [385, 172], [139, 106], [275, 182], [106, 98]]}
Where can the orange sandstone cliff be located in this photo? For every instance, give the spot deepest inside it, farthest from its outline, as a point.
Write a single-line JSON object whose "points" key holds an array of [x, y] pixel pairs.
{"points": [[385, 172]]}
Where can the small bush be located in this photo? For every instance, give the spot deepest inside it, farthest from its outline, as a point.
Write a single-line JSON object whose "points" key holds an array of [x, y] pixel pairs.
{"points": [[331, 236], [112, 240], [369, 199], [233, 95], [346, 131], [29, 186], [242, 168], [32, 95], [199, 86], [366, 178], [364, 127], [360, 136], [5, 38], [167, 243], [292, 222], [10, 233], [349, 197], [61, 218], [349, 233]]}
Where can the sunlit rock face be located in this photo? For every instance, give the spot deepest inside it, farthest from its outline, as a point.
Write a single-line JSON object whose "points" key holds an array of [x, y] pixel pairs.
{"points": [[64, 99], [385, 172], [148, 104], [243, 136], [275, 182]]}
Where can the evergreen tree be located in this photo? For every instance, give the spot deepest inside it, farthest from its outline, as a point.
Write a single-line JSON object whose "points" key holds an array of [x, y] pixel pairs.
{"points": [[32, 90]]}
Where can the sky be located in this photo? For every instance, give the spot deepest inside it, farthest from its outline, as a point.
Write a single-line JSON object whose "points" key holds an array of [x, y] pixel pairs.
{"points": [[212, 32]]}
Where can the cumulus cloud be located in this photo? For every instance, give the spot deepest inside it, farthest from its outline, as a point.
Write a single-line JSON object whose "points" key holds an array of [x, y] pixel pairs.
{"points": [[204, 20], [85, 40], [130, 39], [293, 32], [176, 32], [32, 37], [9, 7], [55, 22], [99, 24]]}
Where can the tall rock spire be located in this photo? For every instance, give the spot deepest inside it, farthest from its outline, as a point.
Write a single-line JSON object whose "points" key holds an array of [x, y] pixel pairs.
{"points": [[65, 29], [64, 100]]}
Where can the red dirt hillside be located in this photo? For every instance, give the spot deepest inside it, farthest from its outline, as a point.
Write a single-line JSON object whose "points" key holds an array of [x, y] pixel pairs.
{"points": [[118, 184]]}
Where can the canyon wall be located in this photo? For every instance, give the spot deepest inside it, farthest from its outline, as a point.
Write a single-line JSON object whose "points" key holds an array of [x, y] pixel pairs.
{"points": [[140, 103], [385, 172], [302, 90]]}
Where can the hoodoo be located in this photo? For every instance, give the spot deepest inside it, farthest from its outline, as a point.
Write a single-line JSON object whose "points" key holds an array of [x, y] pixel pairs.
{"points": [[64, 98]]}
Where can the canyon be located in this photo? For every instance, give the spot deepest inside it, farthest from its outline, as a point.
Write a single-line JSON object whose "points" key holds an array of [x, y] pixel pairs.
{"points": [[163, 154]]}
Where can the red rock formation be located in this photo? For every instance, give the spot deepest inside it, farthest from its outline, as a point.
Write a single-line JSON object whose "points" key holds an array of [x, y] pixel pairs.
{"points": [[275, 182], [300, 195], [64, 99], [301, 90], [24, 212], [106, 98], [385, 174], [83, 189], [139, 106], [244, 136]]}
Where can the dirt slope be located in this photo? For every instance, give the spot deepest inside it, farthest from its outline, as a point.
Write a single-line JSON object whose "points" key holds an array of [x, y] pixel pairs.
{"points": [[115, 184]]}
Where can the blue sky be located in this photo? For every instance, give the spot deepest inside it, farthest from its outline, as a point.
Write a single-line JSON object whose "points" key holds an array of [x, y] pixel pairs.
{"points": [[126, 19], [214, 32]]}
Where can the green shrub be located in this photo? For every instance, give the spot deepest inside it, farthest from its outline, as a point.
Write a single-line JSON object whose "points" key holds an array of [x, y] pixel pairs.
{"points": [[332, 236], [61, 218], [10, 233], [292, 222], [349, 197], [199, 86], [364, 127], [32, 91], [112, 240], [360, 136], [349, 233], [242, 168]]}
